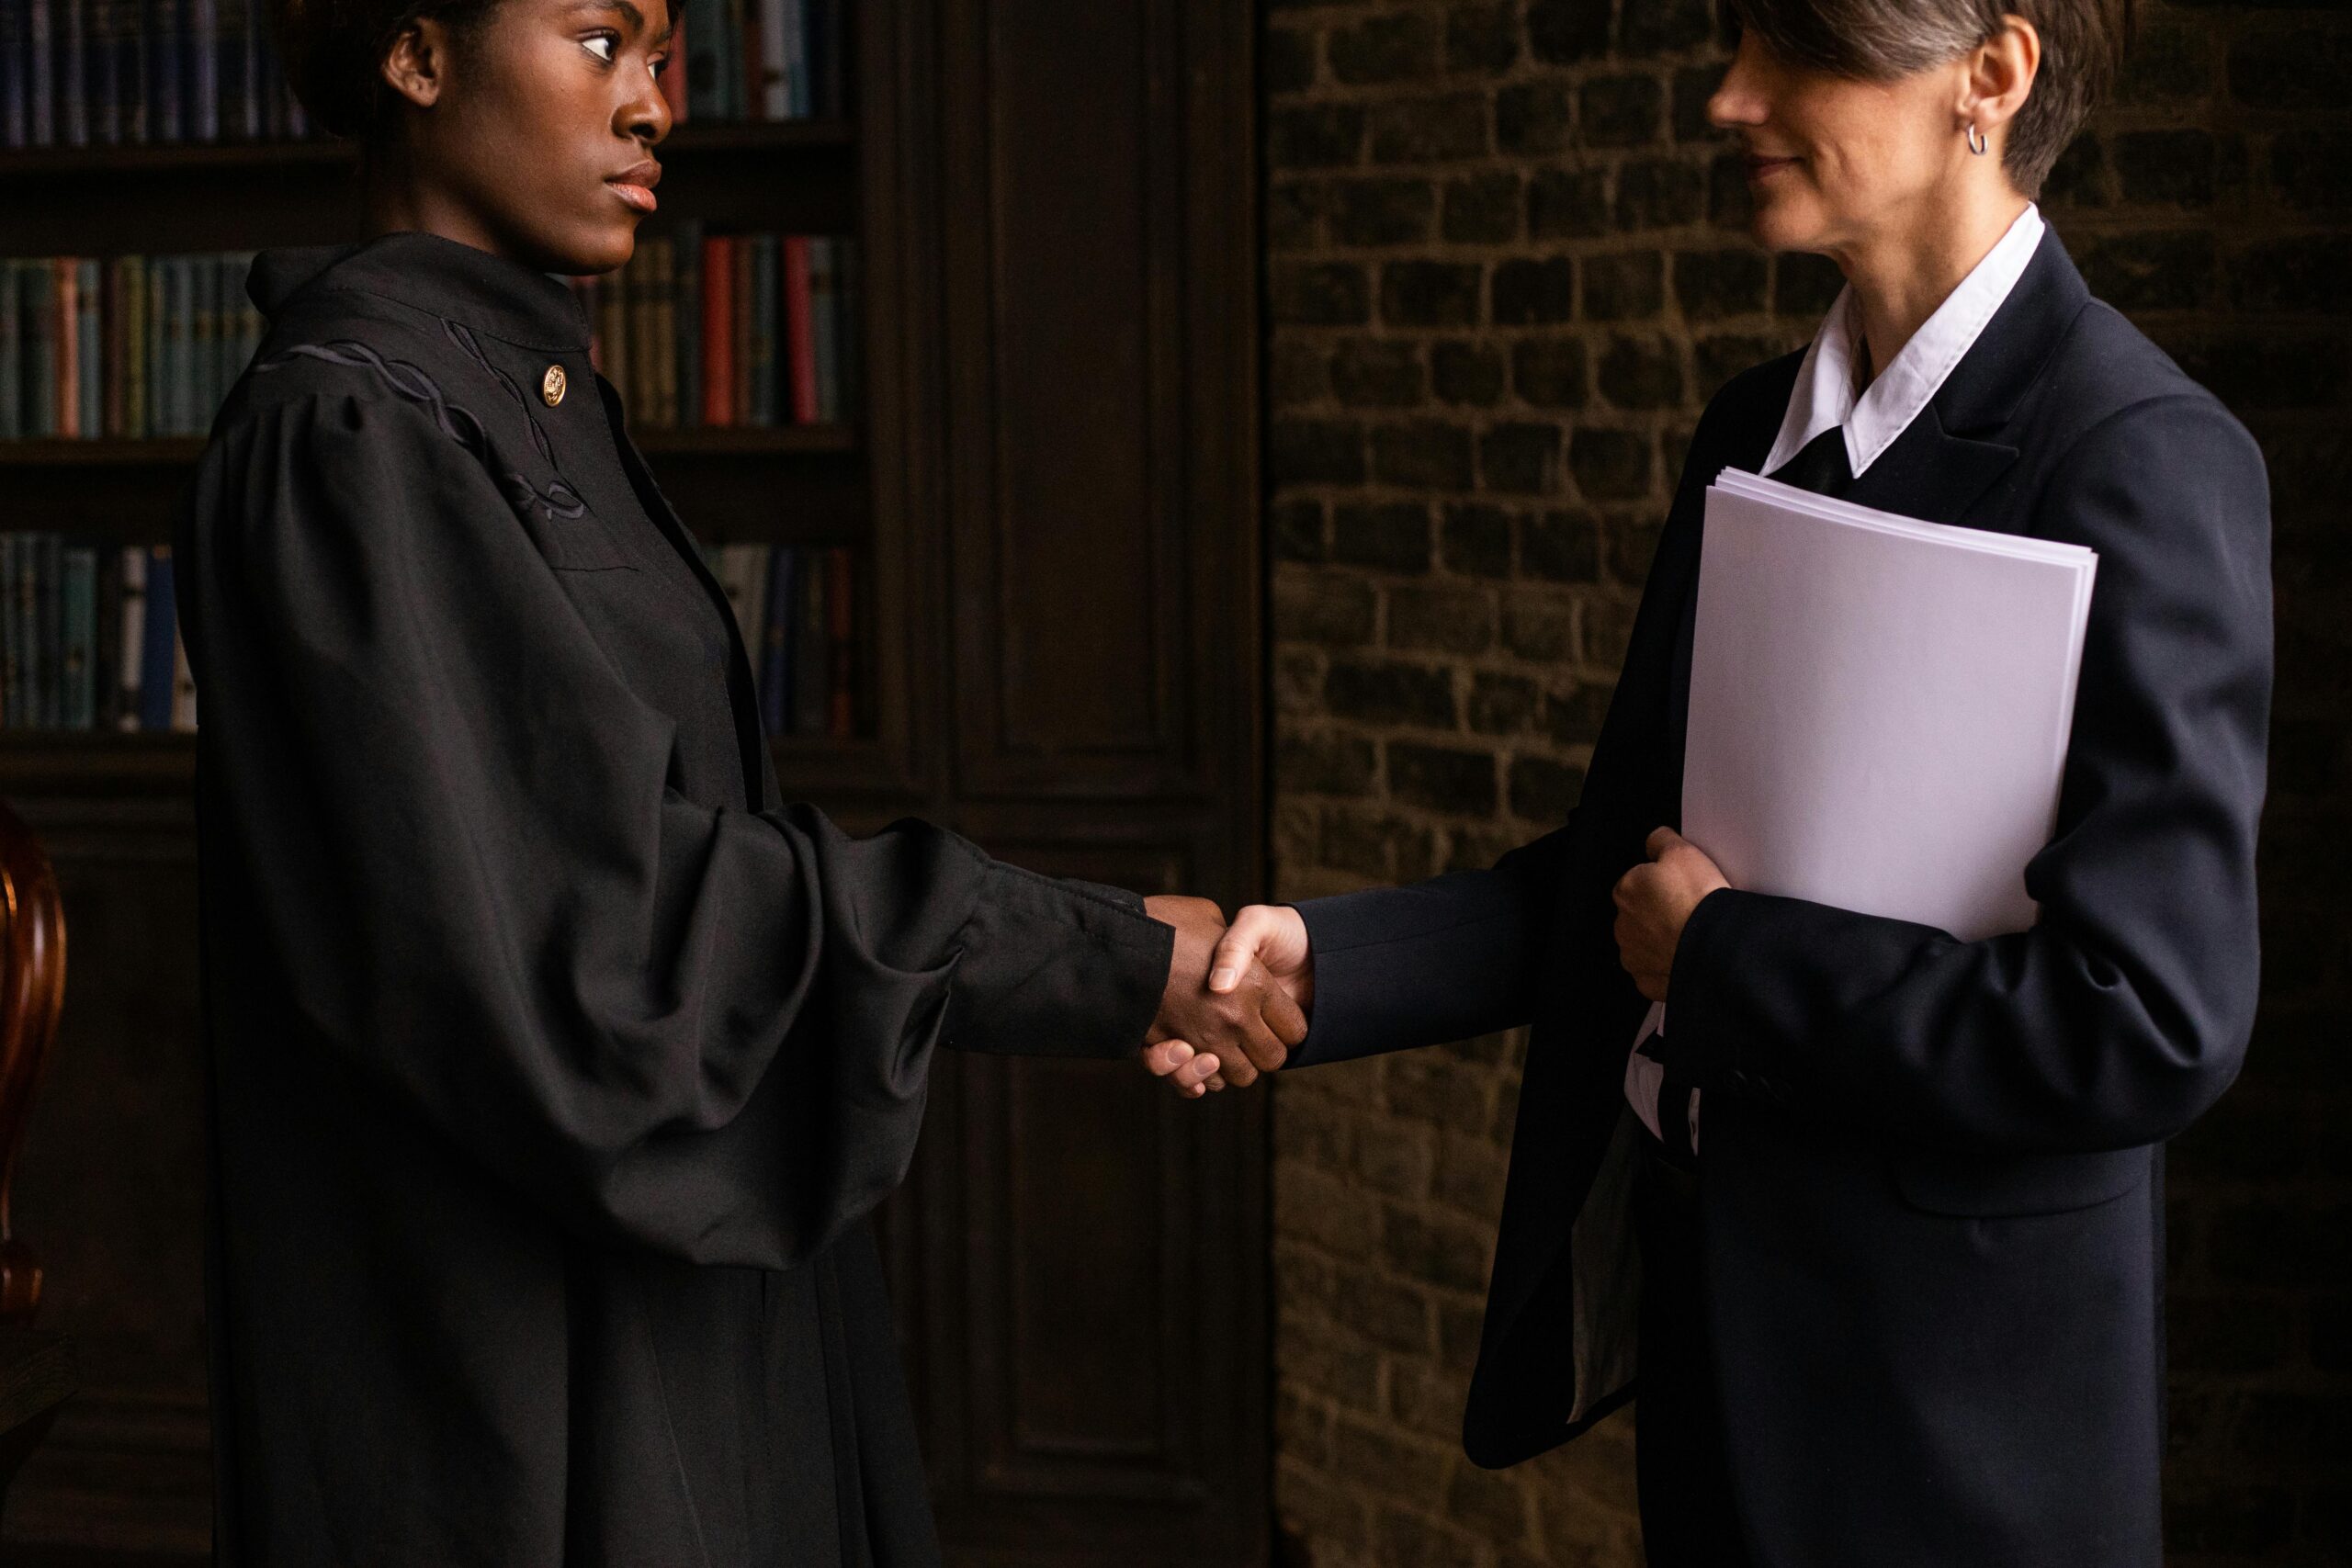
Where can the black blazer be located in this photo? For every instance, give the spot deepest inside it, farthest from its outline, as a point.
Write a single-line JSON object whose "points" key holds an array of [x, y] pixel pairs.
{"points": [[1930, 1172]]}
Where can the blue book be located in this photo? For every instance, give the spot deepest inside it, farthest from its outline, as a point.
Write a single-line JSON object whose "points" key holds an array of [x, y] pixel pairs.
{"points": [[16, 45], [155, 639], [74, 110], [40, 62], [777, 640], [164, 32], [78, 618], [11, 350], [104, 67], [204, 70]]}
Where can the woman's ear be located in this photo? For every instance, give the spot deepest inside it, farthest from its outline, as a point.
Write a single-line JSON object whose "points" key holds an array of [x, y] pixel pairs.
{"points": [[2000, 76], [414, 64]]}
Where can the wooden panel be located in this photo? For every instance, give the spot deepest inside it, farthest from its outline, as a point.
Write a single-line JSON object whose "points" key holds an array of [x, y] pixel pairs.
{"points": [[1065, 262]]}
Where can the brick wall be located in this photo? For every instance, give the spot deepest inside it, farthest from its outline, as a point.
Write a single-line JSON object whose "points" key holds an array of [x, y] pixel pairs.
{"points": [[1505, 272]]}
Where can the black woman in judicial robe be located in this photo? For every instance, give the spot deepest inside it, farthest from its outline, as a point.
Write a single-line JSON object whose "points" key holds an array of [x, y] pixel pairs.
{"points": [[555, 1064]]}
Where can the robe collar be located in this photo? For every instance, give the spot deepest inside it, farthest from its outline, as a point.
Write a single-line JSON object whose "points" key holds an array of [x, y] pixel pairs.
{"points": [[489, 294]]}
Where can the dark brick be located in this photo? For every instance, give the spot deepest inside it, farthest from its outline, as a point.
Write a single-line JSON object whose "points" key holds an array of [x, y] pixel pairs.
{"points": [[2079, 176], [2173, 167], [1294, 215], [1315, 451], [1442, 779], [1483, 209], [1627, 285], [1609, 465], [1501, 704], [1730, 204], [1298, 530], [1424, 454], [1425, 1246], [1488, 1503], [1391, 535], [1468, 373], [1430, 131], [1603, 626], [2271, 1244], [1659, 193], [1633, 542], [1567, 204], [1391, 694], [1336, 612], [2311, 273], [1549, 372], [1521, 460], [2312, 169], [1539, 629], [1295, 374], [1712, 284], [1716, 360], [2152, 271], [1641, 372], [1562, 546], [1429, 294], [2225, 1336], [1620, 111], [1542, 790], [1440, 620], [1665, 27], [1532, 292], [1380, 846], [2226, 1519], [2167, 63], [1286, 56], [1805, 286], [1482, 39], [1381, 212], [2251, 370], [1561, 32], [1314, 136], [1377, 373], [2297, 68], [1387, 46], [1325, 764], [1318, 294], [1532, 117], [1573, 718], [1476, 539], [1694, 85], [1384, 1312]]}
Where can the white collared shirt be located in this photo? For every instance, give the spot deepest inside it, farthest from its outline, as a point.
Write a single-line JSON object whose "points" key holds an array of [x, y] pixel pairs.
{"points": [[1827, 397]]}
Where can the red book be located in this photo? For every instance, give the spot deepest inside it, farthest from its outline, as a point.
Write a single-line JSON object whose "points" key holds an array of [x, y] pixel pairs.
{"points": [[742, 253], [717, 330], [800, 329], [67, 322], [841, 623], [674, 70]]}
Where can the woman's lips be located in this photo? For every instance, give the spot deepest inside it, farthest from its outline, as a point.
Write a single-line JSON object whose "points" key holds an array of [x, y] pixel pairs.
{"points": [[635, 195], [1764, 168], [635, 184]]}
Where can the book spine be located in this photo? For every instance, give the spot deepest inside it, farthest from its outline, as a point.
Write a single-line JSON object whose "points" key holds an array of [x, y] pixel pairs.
{"points": [[103, 71], [11, 704], [110, 326], [663, 350], [41, 62], [253, 79], [66, 328], [705, 71], [158, 421], [717, 330], [42, 603], [745, 570], [775, 69], [183, 685], [673, 73], [130, 657], [745, 254], [79, 566], [799, 300], [11, 350], [90, 348], [204, 339], [40, 345], [688, 324], [182, 338], [841, 621], [106, 642], [778, 637], [132, 100], [813, 658], [767, 406], [156, 642], [165, 71], [16, 45], [73, 66]]}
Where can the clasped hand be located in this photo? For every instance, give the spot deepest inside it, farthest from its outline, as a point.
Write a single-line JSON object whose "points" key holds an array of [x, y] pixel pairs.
{"points": [[1237, 995]]}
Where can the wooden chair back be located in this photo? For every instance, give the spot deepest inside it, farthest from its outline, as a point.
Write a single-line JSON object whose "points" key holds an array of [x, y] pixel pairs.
{"points": [[32, 990]]}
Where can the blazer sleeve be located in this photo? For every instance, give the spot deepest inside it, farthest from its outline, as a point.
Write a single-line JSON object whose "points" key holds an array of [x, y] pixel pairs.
{"points": [[704, 1031], [2125, 1010]]}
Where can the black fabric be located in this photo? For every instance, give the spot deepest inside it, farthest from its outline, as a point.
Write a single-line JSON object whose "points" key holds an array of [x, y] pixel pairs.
{"points": [[1681, 1472], [555, 1063], [1821, 465], [1930, 1186]]}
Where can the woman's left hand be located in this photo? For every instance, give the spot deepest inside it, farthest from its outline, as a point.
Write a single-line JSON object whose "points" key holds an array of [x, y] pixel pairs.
{"points": [[1653, 900]]}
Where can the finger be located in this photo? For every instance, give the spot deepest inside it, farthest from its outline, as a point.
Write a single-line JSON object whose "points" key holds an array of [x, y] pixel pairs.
{"points": [[1237, 1065], [1280, 1013], [1236, 951], [1663, 840], [1197, 1071], [1217, 1082], [1266, 1052], [1166, 1057]]}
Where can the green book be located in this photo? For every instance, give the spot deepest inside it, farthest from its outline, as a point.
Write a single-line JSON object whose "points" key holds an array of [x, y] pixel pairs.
{"points": [[90, 351], [47, 642], [12, 352], [132, 296], [12, 694], [41, 347], [159, 412], [78, 566]]}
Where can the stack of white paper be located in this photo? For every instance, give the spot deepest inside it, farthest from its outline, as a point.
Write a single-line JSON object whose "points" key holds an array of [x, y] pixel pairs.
{"points": [[1879, 706]]}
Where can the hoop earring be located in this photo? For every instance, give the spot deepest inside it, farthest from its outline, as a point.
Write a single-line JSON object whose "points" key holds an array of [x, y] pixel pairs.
{"points": [[1977, 141]]}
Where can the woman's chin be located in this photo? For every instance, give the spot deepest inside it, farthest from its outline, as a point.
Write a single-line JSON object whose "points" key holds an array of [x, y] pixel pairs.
{"points": [[1785, 222]]}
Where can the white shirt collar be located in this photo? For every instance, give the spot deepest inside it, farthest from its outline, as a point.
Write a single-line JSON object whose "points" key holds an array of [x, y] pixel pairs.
{"points": [[1825, 390]]}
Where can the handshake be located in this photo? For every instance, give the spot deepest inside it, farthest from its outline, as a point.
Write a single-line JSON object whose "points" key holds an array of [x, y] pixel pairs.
{"points": [[1236, 995]]}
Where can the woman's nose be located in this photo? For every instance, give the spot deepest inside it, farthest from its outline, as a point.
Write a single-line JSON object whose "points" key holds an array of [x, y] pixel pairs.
{"points": [[1738, 100], [646, 116]]}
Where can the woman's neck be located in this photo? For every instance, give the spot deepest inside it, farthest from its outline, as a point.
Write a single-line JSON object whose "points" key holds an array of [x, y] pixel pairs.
{"points": [[1901, 275]]}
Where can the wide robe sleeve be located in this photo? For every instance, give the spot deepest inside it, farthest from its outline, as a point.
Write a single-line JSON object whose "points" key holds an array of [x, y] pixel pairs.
{"points": [[705, 1032], [2125, 1010]]}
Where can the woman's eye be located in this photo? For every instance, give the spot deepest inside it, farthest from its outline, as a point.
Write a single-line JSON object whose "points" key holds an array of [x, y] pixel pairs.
{"points": [[604, 42], [660, 63]]}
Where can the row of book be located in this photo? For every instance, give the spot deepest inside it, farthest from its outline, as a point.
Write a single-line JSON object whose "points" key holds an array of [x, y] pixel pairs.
{"points": [[108, 73], [799, 610], [730, 328], [89, 637], [127, 346]]}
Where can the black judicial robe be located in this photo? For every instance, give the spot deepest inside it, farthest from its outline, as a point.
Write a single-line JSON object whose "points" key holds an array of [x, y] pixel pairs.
{"points": [[555, 1064]]}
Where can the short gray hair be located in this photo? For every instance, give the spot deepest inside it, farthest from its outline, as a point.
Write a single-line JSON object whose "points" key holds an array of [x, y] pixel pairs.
{"points": [[1876, 40]]}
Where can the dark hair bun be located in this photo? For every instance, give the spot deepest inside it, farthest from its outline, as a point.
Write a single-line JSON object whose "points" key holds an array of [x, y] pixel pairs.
{"points": [[334, 49]]}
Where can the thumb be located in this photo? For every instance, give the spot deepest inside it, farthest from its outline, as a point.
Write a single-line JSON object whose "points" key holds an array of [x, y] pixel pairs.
{"points": [[1236, 951]]}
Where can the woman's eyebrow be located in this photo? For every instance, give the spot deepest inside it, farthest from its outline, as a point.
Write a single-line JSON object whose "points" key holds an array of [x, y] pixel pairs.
{"points": [[628, 9]]}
